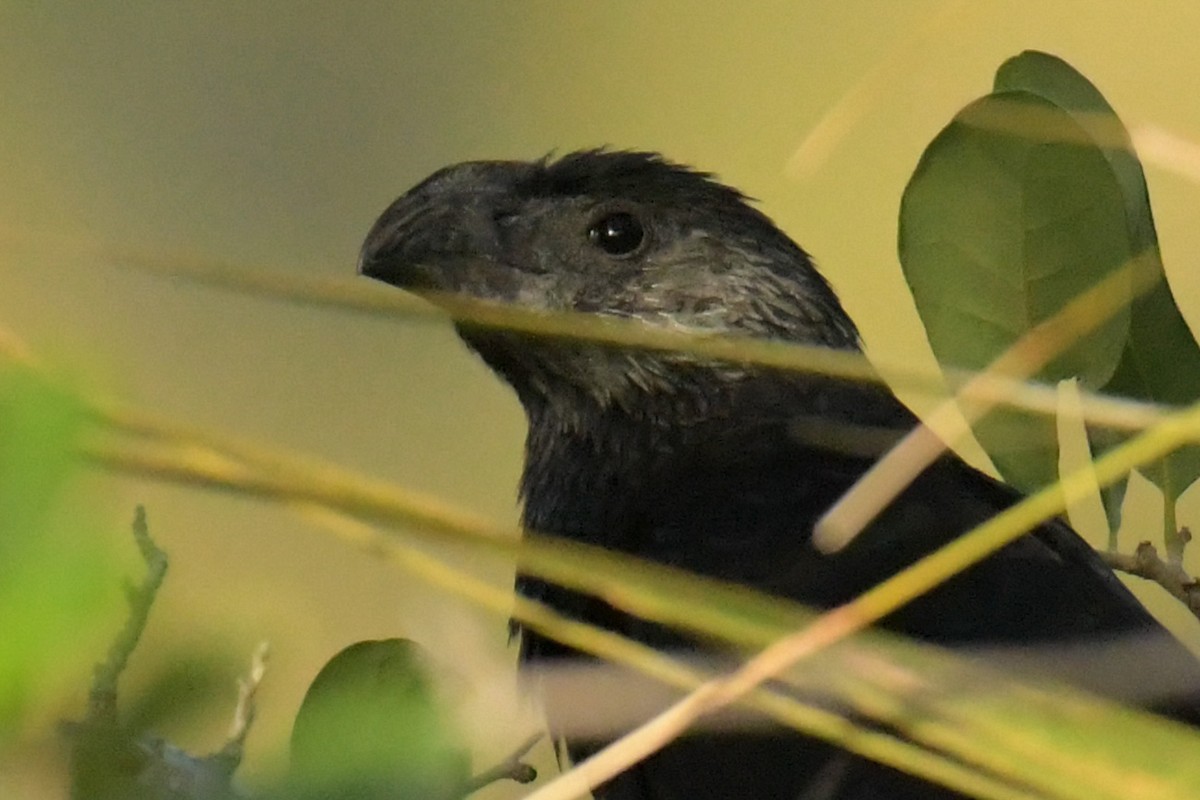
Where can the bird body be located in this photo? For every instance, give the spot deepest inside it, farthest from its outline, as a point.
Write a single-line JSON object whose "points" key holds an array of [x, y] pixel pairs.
{"points": [[720, 468]]}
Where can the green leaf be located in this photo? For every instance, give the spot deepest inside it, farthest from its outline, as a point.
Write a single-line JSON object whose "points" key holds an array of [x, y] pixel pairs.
{"points": [[371, 726], [39, 424], [1008, 216], [57, 575], [1160, 361], [1053, 79]]}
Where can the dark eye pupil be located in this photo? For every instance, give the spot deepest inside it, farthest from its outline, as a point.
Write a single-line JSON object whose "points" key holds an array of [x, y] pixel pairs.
{"points": [[617, 234]]}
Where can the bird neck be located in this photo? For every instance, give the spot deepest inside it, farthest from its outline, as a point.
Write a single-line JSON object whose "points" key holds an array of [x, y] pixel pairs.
{"points": [[589, 468], [592, 470], [583, 468]]}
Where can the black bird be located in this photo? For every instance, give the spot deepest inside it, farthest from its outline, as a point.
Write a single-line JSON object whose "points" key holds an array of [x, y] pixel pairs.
{"points": [[719, 468]]}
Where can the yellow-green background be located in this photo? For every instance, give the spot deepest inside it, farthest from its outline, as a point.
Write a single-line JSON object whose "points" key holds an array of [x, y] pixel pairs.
{"points": [[272, 133]]}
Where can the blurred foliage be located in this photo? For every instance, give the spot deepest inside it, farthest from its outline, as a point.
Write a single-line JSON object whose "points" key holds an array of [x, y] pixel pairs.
{"points": [[975, 717], [56, 571], [181, 690], [371, 726]]}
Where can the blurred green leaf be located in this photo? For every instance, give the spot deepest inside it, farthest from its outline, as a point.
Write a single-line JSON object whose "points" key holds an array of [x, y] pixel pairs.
{"points": [[39, 424], [1008, 216], [57, 577], [181, 690], [371, 726]]}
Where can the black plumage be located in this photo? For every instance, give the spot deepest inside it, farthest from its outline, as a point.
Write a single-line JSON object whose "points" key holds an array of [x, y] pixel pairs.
{"points": [[720, 468]]}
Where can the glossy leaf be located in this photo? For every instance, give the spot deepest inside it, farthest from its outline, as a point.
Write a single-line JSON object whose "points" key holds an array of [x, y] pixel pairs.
{"points": [[1008, 216], [1160, 361], [1053, 79]]}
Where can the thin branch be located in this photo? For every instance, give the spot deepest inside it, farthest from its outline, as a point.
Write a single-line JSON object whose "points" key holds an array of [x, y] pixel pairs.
{"points": [[1175, 539], [229, 757], [1098, 410], [109, 762], [510, 769], [977, 393], [1167, 150], [102, 700], [1169, 574]]}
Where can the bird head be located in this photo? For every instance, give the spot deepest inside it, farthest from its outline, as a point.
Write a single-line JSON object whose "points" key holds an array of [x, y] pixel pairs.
{"points": [[613, 233]]}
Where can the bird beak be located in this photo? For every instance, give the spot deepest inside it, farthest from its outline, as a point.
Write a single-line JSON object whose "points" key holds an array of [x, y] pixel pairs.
{"points": [[449, 217], [400, 239]]}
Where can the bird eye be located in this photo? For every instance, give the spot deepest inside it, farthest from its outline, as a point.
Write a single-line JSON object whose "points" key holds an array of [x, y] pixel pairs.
{"points": [[617, 234]]}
